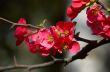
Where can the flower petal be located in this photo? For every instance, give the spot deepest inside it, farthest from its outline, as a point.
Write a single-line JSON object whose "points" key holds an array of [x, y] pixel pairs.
{"points": [[75, 47]]}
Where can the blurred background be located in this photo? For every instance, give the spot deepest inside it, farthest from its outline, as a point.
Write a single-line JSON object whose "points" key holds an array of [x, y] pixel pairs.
{"points": [[35, 11]]}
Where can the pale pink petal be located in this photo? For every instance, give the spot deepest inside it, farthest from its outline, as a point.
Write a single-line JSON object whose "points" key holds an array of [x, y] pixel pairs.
{"points": [[75, 47], [45, 54], [108, 33], [45, 43]]}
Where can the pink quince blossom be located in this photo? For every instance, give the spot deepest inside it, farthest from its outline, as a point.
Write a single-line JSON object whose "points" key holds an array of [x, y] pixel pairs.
{"points": [[20, 31], [40, 42], [64, 36], [46, 41], [98, 22], [76, 6]]}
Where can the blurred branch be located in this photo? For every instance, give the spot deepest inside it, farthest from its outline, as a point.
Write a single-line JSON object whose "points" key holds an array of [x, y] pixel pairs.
{"points": [[103, 6], [30, 67]]}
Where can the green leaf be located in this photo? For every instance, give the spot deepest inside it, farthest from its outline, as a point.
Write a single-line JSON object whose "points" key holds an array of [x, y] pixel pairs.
{"points": [[42, 24]]}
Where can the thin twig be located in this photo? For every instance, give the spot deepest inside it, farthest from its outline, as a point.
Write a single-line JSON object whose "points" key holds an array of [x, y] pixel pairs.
{"points": [[15, 61], [103, 6], [17, 24]]}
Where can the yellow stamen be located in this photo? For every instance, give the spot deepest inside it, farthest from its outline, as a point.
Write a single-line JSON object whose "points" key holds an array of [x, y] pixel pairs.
{"points": [[65, 47], [66, 32], [50, 38]]}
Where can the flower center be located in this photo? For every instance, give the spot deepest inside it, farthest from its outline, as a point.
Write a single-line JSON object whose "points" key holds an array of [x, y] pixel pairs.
{"points": [[50, 38], [66, 32], [65, 47]]}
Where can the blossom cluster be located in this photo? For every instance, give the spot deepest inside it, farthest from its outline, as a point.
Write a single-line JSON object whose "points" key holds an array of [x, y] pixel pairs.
{"points": [[59, 38], [97, 20], [46, 41], [76, 7]]}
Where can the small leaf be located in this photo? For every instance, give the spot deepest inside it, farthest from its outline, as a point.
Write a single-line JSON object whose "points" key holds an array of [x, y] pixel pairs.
{"points": [[108, 9], [42, 24]]}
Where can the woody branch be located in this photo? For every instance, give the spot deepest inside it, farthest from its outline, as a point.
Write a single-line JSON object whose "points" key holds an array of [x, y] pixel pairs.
{"points": [[80, 55]]}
